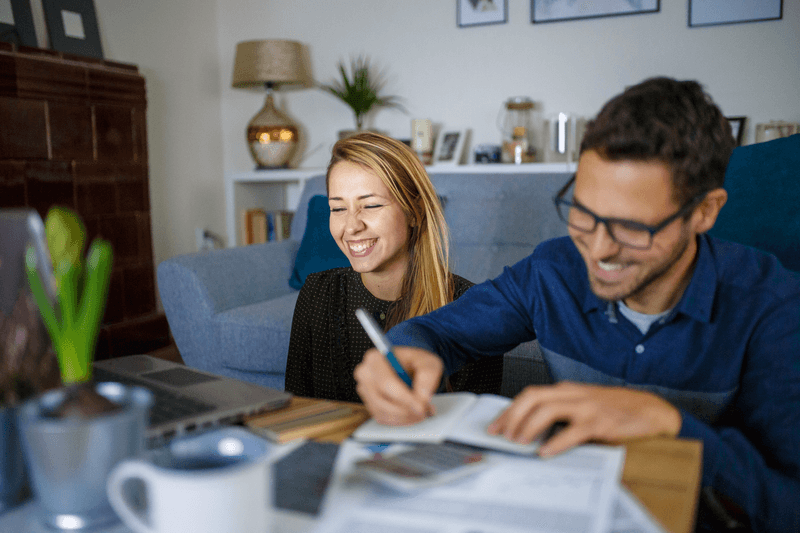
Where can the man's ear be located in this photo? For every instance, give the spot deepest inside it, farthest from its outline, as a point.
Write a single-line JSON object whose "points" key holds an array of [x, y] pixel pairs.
{"points": [[706, 213]]}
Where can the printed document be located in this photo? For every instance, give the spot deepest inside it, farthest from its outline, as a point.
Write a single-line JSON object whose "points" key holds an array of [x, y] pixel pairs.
{"points": [[573, 492]]}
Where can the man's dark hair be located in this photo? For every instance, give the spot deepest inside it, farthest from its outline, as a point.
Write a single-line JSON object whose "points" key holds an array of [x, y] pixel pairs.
{"points": [[672, 121]]}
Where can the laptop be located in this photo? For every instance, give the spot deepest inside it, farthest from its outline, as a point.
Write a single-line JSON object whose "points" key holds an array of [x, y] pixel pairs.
{"points": [[185, 399]]}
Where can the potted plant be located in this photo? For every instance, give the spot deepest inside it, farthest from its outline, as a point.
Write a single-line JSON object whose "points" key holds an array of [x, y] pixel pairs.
{"points": [[361, 89], [72, 436]]}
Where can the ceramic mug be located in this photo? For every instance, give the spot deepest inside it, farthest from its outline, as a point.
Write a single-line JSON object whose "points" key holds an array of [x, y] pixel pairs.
{"points": [[216, 482]]}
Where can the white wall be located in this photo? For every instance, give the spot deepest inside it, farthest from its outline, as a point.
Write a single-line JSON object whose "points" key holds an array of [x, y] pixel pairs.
{"points": [[458, 77]]}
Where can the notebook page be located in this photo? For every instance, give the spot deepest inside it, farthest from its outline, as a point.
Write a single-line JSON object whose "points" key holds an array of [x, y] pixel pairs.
{"points": [[471, 429], [450, 408]]}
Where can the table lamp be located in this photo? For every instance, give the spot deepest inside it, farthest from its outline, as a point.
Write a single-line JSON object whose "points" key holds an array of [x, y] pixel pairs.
{"points": [[271, 136]]}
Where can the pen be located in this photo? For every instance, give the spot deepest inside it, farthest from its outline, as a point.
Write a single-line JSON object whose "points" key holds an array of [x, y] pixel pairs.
{"points": [[381, 343]]}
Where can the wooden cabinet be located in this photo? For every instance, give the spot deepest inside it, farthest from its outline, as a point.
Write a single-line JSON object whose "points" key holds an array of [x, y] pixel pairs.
{"points": [[73, 133]]}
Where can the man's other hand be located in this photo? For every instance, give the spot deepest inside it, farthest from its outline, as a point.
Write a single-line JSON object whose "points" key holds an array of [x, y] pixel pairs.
{"points": [[591, 413], [384, 394]]}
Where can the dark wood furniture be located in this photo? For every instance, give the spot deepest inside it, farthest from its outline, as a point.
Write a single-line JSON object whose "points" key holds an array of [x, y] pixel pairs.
{"points": [[73, 133]]}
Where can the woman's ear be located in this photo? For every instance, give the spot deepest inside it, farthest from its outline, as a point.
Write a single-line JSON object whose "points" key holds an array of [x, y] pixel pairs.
{"points": [[709, 209]]}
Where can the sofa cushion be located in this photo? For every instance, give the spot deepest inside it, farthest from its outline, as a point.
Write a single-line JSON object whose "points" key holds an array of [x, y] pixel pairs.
{"points": [[763, 199], [318, 251]]}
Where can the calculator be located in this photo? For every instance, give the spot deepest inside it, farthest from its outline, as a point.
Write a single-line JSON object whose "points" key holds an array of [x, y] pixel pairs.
{"points": [[423, 466]]}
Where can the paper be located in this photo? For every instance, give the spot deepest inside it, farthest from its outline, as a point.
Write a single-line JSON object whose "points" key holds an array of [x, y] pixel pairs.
{"points": [[573, 492]]}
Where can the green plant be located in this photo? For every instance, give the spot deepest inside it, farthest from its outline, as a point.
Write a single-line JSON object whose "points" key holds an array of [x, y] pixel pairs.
{"points": [[361, 89], [73, 319]]}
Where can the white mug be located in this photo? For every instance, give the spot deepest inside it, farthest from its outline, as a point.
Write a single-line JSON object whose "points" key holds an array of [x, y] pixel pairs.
{"points": [[199, 492]]}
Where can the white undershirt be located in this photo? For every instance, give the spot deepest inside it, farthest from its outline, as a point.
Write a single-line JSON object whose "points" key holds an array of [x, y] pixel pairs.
{"points": [[640, 320]]}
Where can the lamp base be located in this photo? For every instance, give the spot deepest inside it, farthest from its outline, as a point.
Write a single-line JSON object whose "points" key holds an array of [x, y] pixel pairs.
{"points": [[272, 137]]}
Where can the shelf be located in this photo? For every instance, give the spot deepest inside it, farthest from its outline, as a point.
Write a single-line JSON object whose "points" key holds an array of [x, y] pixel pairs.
{"points": [[290, 175]]}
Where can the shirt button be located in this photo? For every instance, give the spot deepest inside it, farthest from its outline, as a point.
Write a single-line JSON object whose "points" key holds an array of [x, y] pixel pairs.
{"points": [[639, 348], [383, 316]]}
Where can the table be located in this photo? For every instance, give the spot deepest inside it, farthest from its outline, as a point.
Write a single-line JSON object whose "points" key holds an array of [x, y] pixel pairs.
{"points": [[663, 473]]}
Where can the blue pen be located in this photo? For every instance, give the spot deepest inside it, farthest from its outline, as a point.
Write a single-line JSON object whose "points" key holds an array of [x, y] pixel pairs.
{"points": [[381, 343]]}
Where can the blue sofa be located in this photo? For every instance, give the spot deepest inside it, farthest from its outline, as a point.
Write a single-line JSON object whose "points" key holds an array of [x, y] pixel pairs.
{"points": [[230, 310]]}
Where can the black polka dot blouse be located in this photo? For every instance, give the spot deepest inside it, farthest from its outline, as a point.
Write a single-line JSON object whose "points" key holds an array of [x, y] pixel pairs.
{"points": [[327, 340]]}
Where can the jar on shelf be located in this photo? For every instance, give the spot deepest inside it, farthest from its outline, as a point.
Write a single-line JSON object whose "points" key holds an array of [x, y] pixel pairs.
{"points": [[517, 122]]}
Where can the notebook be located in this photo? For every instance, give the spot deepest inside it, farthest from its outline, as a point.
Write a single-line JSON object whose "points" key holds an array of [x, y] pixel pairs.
{"points": [[185, 399], [460, 417]]}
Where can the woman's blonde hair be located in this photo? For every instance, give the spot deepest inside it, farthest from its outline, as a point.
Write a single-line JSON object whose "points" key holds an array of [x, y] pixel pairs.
{"points": [[427, 284]]}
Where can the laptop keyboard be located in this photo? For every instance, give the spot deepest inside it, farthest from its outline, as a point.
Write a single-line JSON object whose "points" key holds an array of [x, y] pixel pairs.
{"points": [[167, 406]]}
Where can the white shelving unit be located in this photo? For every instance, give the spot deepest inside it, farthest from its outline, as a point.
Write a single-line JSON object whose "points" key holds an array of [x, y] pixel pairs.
{"points": [[281, 189]]}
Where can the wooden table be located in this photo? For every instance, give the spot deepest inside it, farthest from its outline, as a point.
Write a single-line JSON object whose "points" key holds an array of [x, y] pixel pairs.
{"points": [[663, 473]]}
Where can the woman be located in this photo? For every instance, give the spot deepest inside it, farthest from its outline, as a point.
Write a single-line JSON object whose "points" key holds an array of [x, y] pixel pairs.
{"points": [[388, 221]]}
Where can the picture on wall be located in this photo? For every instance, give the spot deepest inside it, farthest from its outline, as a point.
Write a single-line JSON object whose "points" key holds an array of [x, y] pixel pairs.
{"points": [[715, 12], [72, 27], [561, 10], [16, 22], [737, 128], [480, 12]]}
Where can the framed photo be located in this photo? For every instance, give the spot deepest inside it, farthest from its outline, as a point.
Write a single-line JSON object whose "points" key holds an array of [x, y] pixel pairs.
{"points": [[716, 12], [560, 10], [72, 27], [480, 12], [449, 147], [737, 128], [16, 22]]}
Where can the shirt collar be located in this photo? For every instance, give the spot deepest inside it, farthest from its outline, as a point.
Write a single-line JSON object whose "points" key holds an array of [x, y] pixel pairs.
{"points": [[697, 299]]}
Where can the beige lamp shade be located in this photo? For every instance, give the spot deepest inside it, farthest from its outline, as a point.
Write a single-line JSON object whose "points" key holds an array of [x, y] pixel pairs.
{"points": [[272, 137], [274, 62]]}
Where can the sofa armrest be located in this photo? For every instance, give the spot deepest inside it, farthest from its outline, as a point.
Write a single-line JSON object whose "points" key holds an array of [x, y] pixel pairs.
{"points": [[195, 288], [215, 281]]}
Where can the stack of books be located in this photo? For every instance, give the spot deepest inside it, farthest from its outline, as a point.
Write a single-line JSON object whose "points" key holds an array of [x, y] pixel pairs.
{"points": [[259, 226]]}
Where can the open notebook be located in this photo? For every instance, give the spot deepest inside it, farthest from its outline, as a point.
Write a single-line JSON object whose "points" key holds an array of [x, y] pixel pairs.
{"points": [[460, 417]]}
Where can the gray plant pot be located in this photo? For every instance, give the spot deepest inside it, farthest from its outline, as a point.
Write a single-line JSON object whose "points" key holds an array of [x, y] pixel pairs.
{"points": [[69, 459], [13, 481]]}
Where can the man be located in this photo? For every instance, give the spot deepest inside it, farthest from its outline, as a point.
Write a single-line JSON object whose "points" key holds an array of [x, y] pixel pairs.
{"points": [[649, 326]]}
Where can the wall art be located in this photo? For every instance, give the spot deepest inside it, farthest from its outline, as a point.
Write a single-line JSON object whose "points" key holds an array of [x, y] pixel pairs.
{"points": [[561, 10]]}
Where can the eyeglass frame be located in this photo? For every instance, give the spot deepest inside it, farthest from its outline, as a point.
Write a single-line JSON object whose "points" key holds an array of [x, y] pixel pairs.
{"points": [[559, 200]]}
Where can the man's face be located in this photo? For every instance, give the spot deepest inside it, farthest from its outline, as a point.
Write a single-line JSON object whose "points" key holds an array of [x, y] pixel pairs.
{"points": [[648, 281]]}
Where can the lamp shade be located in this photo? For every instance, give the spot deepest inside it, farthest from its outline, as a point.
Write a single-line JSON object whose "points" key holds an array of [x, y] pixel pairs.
{"points": [[269, 62]]}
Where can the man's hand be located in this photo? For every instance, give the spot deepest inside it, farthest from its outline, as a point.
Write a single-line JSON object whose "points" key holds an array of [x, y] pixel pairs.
{"points": [[384, 394], [608, 414]]}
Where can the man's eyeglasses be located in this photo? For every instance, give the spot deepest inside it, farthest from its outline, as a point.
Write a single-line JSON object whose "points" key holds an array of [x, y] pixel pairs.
{"points": [[626, 232]]}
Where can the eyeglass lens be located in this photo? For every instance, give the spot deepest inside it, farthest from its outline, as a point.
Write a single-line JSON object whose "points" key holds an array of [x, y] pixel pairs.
{"points": [[618, 230]]}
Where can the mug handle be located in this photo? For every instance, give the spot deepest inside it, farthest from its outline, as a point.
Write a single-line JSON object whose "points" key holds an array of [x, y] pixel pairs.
{"points": [[124, 471]]}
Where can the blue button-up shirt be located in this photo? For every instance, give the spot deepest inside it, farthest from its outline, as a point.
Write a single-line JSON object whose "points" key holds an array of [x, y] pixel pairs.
{"points": [[727, 355]]}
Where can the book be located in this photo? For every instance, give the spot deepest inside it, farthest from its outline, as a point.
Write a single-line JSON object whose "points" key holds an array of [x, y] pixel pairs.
{"points": [[283, 224], [258, 222], [460, 417], [313, 420]]}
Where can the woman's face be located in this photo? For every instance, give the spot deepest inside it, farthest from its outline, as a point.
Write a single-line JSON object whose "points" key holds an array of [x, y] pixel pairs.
{"points": [[366, 222]]}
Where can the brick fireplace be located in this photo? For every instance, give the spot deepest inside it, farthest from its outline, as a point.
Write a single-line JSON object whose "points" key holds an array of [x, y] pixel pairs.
{"points": [[73, 133]]}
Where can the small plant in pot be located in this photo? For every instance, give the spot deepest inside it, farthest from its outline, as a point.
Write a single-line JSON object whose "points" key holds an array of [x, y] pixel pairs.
{"points": [[73, 319], [361, 90], [74, 435]]}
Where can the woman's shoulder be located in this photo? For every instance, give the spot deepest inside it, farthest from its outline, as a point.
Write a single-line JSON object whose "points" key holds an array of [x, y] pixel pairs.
{"points": [[460, 285], [319, 281]]}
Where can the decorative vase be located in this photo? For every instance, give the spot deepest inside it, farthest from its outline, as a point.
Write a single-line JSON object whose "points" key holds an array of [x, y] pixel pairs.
{"points": [[69, 459], [13, 480]]}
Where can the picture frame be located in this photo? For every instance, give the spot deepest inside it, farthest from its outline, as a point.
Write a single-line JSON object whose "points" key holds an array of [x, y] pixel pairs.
{"points": [[481, 12], [16, 23], [563, 10], [737, 128], [718, 12], [72, 27], [449, 148]]}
